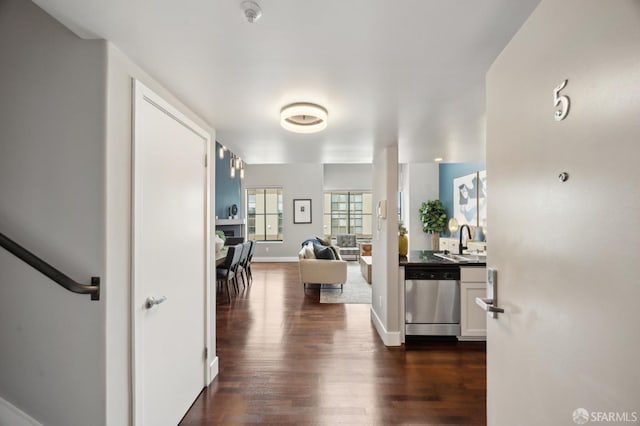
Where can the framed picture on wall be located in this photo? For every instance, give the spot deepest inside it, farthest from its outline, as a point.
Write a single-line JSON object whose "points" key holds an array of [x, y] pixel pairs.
{"points": [[302, 210], [465, 199]]}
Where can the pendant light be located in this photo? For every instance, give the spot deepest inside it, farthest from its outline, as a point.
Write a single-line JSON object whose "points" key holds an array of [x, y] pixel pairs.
{"points": [[232, 165]]}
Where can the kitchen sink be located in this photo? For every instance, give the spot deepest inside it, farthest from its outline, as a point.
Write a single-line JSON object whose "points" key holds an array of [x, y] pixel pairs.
{"points": [[449, 257]]}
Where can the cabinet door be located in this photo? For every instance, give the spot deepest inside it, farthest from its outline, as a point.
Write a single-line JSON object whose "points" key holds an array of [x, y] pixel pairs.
{"points": [[473, 320], [477, 245], [450, 244]]}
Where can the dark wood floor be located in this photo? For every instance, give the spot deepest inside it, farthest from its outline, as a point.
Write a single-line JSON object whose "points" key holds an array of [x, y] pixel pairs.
{"points": [[287, 359]]}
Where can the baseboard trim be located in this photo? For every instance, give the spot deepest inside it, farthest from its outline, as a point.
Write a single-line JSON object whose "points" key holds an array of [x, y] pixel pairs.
{"points": [[275, 259], [389, 338], [472, 338], [12, 415], [214, 369]]}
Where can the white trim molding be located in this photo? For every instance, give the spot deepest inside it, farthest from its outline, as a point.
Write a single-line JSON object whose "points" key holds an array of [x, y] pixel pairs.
{"points": [[389, 338], [275, 259], [214, 369], [12, 415]]}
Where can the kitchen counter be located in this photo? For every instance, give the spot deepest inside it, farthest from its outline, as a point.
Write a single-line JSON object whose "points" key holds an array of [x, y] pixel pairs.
{"points": [[427, 257]]}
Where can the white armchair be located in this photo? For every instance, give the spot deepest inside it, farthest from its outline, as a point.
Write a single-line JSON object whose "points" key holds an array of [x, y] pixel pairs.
{"points": [[321, 271]]}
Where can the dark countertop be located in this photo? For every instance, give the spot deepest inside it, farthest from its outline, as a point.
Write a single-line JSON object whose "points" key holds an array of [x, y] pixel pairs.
{"points": [[427, 257]]}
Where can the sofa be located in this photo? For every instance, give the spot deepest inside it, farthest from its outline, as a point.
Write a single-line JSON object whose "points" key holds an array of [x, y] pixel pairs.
{"points": [[314, 270]]}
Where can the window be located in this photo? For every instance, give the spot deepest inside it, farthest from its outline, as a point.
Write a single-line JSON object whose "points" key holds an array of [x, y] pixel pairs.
{"points": [[348, 213], [264, 214]]}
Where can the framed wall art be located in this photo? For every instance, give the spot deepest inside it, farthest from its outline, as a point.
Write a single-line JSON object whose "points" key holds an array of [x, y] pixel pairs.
{"points": [[465, 199], [302, 210]]}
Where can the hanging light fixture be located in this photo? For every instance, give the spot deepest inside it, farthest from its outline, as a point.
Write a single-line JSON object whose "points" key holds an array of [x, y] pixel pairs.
{"points": [[303, 117], [221, 153], [232, 165], [453, 226], [242, 170]]}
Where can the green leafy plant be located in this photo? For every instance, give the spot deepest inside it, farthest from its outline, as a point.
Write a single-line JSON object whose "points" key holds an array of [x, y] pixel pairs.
{"points": [[433, 216], [221, 235]]}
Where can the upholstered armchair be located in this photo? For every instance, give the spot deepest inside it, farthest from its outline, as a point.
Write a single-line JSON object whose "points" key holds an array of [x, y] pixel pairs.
{"points": [[348, 245]]}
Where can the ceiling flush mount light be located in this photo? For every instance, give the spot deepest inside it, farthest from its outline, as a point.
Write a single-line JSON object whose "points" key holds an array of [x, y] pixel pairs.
{"points": [[303, 117], [251, 10], [437, 159]]}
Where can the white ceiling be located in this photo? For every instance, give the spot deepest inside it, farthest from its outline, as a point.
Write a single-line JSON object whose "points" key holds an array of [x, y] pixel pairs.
{"points": [[409, 72]]}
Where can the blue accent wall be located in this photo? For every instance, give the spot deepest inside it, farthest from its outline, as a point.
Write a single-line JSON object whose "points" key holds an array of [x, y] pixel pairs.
{"points": [[228, 190], [447, 172]]}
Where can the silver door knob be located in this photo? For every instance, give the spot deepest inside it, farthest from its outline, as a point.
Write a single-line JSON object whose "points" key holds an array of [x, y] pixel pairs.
{"points": [[152, 301]]}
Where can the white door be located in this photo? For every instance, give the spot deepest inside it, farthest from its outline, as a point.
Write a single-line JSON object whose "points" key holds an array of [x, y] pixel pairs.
{"points": [[565, 351], [169, 261]]}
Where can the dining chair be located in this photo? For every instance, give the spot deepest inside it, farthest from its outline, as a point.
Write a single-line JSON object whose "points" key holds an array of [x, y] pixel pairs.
{"points": [[250, 260], [226, 273], [242, 264]]}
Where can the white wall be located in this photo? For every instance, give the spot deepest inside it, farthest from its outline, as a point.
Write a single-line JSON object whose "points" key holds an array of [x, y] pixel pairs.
{"points": [[52, 90], [566, 253], [344, 177], [423, 186], [121, 70], [296, 181], [384, 268], [66, 196]]}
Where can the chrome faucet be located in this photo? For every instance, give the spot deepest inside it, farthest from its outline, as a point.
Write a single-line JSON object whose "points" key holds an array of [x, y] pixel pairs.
{"points": [[460, 246]]}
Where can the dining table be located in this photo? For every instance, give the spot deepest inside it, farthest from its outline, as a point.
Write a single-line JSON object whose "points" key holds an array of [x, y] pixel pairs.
{"points": [[221, 256]]}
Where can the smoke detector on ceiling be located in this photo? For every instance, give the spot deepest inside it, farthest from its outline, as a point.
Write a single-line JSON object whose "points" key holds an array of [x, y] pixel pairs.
{"points": [[251, 10]]}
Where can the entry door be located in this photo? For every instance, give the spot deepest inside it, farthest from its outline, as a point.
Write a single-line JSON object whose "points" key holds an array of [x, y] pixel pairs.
{"points": [[566, 247], [169, 261]]}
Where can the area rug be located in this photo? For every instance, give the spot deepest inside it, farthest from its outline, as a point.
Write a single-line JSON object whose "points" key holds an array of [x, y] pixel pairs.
{"points": [[356, 290]]}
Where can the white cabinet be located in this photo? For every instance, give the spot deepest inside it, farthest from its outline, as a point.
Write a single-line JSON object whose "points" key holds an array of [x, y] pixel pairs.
{"points": [[477, 246], [473, 320], [450, 244]]}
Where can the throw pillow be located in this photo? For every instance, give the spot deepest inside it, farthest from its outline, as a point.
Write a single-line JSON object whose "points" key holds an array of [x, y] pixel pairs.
{"points": [[336, 252], [309, 252], [323, 252], [323, 241], [310, 240]]}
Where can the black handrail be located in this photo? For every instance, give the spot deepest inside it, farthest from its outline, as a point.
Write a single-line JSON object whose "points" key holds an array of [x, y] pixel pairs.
{"points": [[51, 272]]}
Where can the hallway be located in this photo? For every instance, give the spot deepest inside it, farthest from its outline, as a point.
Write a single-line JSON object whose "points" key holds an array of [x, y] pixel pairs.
{"points": [[287, 359]]}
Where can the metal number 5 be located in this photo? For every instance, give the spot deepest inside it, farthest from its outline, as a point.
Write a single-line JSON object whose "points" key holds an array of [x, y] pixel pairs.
{"points": [[561, 101]]}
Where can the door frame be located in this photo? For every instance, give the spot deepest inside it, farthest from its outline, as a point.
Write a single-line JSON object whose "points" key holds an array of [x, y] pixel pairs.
{"points": [[143, 94]]}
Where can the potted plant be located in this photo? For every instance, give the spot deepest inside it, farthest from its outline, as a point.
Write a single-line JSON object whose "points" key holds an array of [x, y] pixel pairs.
{"points": [[403, 240], [434, 220], [219, 240]]}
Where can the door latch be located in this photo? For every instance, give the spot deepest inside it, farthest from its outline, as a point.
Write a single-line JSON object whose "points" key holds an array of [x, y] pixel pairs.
{"points": [[490, 303]]}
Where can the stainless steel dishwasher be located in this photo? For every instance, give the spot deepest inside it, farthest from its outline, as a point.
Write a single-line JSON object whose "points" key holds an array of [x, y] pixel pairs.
{"points": [[432, 300]]}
